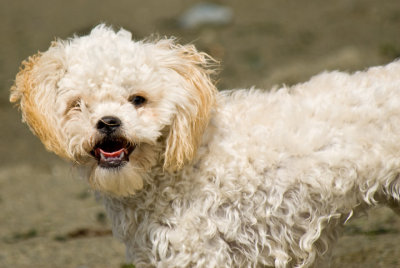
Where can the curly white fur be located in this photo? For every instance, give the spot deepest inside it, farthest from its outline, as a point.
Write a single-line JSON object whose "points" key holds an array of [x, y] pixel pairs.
{"points": [[240, 178]]}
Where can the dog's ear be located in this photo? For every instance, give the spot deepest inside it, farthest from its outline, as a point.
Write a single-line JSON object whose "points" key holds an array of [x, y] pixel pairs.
{"points": [[34, 91], [192, 116]]}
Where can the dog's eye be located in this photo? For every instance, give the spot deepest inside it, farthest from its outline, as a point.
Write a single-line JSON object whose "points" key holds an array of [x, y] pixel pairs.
{"points": [[74, 105], [137, 100]]}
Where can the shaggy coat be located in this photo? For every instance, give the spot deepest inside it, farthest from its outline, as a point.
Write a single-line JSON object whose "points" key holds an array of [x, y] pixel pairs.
{"points": [[192, 177]]}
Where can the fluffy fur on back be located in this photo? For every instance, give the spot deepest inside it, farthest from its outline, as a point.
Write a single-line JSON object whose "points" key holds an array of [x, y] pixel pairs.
{"points": [[192, 177]]}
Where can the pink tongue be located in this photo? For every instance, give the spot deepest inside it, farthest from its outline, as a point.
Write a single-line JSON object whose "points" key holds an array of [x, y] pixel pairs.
{"points": [[112, 154]]}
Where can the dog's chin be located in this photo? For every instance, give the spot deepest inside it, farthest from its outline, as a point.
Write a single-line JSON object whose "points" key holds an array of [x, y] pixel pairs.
{"points": [[114, 173], [125, 180]]}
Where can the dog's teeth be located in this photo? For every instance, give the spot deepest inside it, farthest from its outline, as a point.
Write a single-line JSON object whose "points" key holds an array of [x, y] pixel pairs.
{"points": [[119, 157], [111, 159]]}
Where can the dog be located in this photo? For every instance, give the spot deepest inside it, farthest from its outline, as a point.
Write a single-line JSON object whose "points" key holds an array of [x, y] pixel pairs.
{"points": [[195, 177]]}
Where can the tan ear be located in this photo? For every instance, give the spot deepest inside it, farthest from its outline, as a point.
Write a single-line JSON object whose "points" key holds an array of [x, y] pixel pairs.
{"points": [[192, 117], [34, 91]]}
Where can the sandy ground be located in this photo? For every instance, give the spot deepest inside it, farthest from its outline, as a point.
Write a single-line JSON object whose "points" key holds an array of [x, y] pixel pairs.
{"points": [[48, 216]]}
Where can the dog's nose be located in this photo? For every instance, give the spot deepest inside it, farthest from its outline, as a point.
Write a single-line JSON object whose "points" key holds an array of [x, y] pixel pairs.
{"points": [[108, 124]]}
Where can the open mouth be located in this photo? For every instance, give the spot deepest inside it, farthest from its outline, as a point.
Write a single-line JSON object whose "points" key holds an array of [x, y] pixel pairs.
{"points": [[112, 153]]}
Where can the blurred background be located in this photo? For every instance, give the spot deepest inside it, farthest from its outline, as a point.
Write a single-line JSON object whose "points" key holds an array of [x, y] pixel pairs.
{"points": [[48, 216]]}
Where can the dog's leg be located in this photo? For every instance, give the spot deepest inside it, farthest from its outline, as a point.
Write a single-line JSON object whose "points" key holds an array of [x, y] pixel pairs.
{"points": [[392, 195], [385, 189]]}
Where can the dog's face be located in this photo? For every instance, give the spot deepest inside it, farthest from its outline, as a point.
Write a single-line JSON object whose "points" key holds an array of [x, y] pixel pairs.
{"points": [[123, 107]]}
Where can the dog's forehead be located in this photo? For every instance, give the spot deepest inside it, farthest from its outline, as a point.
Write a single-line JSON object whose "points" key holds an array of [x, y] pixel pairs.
{"points": [[109, 59], [111, 82], [113, 64]]}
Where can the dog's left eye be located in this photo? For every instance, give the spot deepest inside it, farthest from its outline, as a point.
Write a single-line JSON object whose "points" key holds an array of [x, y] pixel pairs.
{"points": [[137, 100]]}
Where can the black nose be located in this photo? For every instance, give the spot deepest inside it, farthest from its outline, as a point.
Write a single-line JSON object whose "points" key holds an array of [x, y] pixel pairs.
{"points": [[108, 124]]}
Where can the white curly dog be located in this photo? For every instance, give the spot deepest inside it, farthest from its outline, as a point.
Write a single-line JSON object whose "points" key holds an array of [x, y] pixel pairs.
{"points": [[193, 177]]}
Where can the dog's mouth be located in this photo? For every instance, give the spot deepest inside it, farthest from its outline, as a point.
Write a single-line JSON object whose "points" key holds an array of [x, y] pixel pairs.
{"points": [[112, 152]]}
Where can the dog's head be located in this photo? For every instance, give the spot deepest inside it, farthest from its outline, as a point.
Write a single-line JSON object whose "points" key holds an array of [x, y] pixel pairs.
{"points": [[123, 107]]}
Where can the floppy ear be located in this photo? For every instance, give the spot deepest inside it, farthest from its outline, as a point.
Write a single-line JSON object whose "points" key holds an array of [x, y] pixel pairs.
{"points": [[35, 92], [192, 117]]}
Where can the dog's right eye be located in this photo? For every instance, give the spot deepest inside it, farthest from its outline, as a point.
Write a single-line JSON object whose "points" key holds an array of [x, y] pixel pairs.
{"points": [[73, 105]]}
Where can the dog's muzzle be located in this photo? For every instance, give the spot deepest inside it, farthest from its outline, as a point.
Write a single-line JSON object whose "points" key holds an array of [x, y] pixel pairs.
{"points": [[113, 150]]}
